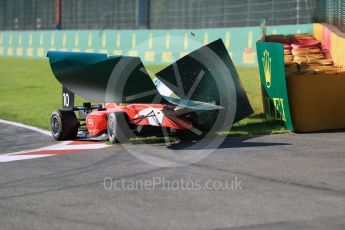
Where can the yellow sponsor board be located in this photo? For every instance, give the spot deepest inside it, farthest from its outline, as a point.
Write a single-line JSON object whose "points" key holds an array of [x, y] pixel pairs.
{"points": [[20, 51], [10, 51], [40, 52], [149, 56], [249, 56], [166, 56], [29, 52]]}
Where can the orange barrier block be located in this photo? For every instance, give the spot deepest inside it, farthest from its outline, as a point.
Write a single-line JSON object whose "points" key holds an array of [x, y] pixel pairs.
{"points": [[317, 101]]}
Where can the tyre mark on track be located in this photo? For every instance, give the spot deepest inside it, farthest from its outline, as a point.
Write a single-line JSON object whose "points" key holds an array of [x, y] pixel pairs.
{"points": [[275, 180]]}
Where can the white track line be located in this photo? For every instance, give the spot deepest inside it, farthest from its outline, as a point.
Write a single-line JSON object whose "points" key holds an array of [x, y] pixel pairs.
{"points": [[66, 145], [59, 146], [78, 147], [15, 156], [42, 131], [5, 158]]}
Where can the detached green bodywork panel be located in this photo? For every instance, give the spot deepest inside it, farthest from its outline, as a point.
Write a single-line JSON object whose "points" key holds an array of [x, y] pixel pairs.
{"points": [[196, 69], [273, 82]]}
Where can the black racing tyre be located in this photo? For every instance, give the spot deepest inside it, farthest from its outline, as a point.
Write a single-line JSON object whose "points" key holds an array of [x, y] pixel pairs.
{"points": [[64, 125], [118, 127]]}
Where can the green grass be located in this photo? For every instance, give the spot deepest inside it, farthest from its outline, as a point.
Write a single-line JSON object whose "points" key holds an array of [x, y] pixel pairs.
{"points": [[29, 94]]}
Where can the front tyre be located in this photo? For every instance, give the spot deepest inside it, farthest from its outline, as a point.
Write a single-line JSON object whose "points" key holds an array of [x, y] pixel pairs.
{"points": [[64, 125], [118, 127]]}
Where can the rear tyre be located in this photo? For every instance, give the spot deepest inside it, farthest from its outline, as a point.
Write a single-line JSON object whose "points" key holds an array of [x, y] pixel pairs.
{"points": [[118, 127], [64, 125]]}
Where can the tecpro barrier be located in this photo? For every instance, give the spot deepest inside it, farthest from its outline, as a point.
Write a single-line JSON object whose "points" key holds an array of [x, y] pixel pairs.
{"points": [[305, 92]]}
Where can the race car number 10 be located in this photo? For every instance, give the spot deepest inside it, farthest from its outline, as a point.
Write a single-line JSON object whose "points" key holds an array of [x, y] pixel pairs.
{"points": [[65, 99]]}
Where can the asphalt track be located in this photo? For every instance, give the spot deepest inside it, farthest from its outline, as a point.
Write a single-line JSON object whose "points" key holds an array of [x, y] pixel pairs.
{"points": [[293, 181]]}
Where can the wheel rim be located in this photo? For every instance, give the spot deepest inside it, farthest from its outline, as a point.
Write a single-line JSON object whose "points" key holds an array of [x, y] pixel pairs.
{"points": [[111, 127], [55, 126]]}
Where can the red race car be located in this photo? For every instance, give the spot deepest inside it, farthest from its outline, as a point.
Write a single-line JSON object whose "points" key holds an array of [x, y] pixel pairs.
{"points": [[118, 121]]}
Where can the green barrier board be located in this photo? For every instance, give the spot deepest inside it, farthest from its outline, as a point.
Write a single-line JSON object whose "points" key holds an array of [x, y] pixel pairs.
{"points": [[273, 82]]}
